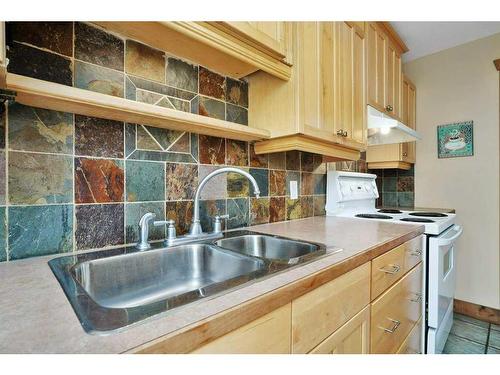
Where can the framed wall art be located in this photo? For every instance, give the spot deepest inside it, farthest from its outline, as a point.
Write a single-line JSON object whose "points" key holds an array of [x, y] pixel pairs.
{"points": [[455, 140]]}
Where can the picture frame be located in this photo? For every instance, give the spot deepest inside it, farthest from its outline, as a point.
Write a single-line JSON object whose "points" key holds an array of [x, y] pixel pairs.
{"points": [[455, 140]]}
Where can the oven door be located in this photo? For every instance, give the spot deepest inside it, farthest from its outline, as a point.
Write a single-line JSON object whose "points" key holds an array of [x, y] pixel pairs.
{"points": [[442, 274]]}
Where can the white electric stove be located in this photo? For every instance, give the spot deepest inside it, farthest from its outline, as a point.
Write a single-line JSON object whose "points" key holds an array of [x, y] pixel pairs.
{"points": [[351, 194]]}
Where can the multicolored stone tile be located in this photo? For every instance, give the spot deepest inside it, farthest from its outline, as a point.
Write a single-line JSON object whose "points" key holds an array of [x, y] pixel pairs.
{"points": [[237, 92], [236, 153], [98, 180], [136, 83], [212, 149], [3, 180], [40, 178], [37, 129], [134, 212], [35, 63], [262, 178], [293, 160], [306, 206], [149, 97], [182, 213], [208, 210], [145, 181], [98, 137], [145, 141], [277, 209], [144, 61], [237, 185], [53, 36], [165, 138], [179, 104], [293, 209], [293, 176], [181, 74], [98, 47], [236, 114], [259, 161], [3, 234], [182, 144], [211, 108], [238, 212], [99, 225], [390, 184], [390, 199], [319, 166], [320, 184], [319, 205], [216, 187], [259, 210], [99, 79], [3, 115], [277, 160], [40, 230], [307, 183], [307, 162], [277, 183], [405, 184], [212, 84], [181, 181], [406, 199]]}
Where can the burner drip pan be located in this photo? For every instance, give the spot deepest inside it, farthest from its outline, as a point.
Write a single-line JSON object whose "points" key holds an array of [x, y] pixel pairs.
{"points": [[374, 216], [417, 220]]}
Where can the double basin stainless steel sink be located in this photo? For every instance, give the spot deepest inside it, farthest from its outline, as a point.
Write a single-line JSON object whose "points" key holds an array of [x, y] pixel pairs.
{"points": [[114, 288]]}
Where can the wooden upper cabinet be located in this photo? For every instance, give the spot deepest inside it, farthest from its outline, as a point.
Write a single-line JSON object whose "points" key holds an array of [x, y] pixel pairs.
{"points": [[384, 50], [322, 108], [3, 60]]}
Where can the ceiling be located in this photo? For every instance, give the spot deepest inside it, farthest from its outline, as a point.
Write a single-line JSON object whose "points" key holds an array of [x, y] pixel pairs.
{"points": [[425, 38]]}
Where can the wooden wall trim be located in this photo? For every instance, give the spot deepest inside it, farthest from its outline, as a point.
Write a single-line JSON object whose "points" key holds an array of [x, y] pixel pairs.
{"points": [[394, 35], [487, 314], [497, 64]]}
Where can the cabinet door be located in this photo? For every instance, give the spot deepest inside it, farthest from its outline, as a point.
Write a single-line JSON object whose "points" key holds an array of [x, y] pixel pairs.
{"points": [[393, 77], [376, 65], [352, 338], [2, 44], [269, 334], [413, 342]]}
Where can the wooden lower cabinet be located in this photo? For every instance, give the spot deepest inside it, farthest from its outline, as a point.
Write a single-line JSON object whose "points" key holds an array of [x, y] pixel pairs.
{"points": [[352, 338], [413, 343], [395, 313], [269, 334], [319, 313]]}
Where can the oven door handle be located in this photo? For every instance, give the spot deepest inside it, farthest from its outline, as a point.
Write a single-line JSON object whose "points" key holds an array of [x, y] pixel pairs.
{"points": [[448, 241]]}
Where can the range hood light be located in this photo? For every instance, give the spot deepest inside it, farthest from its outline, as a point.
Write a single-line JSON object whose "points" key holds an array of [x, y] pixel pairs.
{"points": [[383, 129]]}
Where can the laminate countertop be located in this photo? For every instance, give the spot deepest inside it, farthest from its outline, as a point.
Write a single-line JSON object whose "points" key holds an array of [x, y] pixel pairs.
{"points": [[36, 317]]}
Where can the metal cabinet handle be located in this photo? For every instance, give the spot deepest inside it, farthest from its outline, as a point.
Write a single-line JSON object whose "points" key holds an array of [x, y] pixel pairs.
{"points": [[416, 253], [342, 133], [389, 108], [417, 299], [405, 154], [394, 327], [394, 269]]}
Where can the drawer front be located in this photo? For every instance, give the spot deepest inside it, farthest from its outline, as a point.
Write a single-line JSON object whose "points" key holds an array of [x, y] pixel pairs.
{"points": [[413, 342], [391, 266], [270, 334], [414, 250], [319, 313], [352, 338], [396, 312]]}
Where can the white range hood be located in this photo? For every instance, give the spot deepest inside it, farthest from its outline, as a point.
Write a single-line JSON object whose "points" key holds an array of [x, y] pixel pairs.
{"points": [[383, 129]]}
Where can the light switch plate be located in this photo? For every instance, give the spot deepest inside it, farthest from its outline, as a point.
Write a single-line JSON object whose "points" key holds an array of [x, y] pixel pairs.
{"points": [[294, 194]]}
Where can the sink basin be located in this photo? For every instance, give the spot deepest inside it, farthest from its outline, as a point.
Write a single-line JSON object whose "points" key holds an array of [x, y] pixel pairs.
{"points": [[113, 291], [271, 247]]}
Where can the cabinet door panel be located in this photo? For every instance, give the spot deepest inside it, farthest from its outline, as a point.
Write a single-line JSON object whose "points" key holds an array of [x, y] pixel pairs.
{"points": [[310, 75], [359, 86], [346, 78], [389, 78], [413, 342], [352, 338]]}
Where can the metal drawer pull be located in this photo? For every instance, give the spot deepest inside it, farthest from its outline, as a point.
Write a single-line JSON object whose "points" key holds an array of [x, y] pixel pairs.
{"points": [[416, 253], [418, 297], [394, 327], [392, 271]]}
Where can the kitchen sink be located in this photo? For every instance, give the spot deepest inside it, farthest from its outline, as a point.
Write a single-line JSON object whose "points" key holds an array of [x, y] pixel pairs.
{"points": [[271, 247], [111, 289]]}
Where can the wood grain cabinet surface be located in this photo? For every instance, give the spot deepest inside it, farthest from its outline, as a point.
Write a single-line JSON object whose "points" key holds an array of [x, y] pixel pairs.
{"points": [[269, 334], [413, 342], [322, 108]]}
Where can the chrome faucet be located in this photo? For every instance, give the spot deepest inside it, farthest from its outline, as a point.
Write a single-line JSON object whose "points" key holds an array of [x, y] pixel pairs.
{"points": [[196, 230]]}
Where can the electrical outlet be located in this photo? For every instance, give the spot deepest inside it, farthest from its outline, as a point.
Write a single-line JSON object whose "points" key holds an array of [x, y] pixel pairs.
{"points": [[294, 194]]}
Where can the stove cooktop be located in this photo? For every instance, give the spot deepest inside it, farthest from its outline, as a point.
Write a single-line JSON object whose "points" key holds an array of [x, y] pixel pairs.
{"points": [[390, 211], [417, 220], [427, 214], [374, 216]]}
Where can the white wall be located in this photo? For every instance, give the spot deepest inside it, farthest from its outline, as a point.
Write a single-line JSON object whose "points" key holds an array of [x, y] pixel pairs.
{"points": [[461, 84]]}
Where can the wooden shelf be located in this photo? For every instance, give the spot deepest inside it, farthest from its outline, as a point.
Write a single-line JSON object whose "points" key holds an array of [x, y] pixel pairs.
{"points": [[389, 165], [205, 43], [49, 95]]}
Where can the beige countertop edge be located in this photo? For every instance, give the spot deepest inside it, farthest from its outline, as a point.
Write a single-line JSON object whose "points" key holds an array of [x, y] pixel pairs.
{"points": [[36, 317]]}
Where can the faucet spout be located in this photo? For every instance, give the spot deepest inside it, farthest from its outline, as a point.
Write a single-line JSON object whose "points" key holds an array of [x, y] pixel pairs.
{"points": [[196, 229]]}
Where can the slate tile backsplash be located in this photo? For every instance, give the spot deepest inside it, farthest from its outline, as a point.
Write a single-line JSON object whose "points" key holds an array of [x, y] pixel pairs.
{"points": [[396, 187], [70, 182]]}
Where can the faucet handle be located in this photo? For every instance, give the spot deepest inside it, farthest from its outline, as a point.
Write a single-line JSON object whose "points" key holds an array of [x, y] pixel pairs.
{"points": [[218, 223], [143, 243]]}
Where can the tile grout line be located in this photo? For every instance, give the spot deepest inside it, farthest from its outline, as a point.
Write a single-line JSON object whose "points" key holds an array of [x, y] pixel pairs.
{"points": [[487, 339]]}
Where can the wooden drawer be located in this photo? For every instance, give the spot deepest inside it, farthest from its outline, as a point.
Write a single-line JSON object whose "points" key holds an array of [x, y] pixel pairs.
{"points": [[319, 313], [413, 342], [270, 334], [391, 266], [395, 312], [352, 338]]}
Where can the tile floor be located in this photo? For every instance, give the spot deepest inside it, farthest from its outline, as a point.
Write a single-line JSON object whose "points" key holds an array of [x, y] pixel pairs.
{"points": [[472, 336]]}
